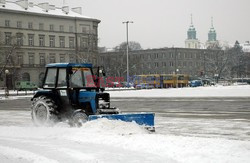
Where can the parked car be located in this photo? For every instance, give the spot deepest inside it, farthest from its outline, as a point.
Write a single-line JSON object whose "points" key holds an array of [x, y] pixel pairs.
{"points": [[207, 82], [124, 84], [144, 86], [196, 83], [25, 86]]}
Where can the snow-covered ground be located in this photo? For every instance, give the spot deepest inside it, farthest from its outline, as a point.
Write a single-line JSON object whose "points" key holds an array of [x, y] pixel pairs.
{"points": [[115, 141], [213, 91]]}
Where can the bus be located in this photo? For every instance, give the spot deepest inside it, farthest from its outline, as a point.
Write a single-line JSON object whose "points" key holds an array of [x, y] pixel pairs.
{"points": [[25, 86], [162, 80]]}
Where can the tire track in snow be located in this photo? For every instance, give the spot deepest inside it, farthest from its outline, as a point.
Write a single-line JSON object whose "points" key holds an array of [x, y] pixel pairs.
{"points": [[20, 154]]}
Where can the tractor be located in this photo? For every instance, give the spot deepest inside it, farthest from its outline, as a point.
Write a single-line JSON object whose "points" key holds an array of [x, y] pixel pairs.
{"points": [[71, 93]]}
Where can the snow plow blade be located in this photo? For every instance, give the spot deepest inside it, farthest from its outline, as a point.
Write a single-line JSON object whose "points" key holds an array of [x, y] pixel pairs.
{"points": [[144, 119]]}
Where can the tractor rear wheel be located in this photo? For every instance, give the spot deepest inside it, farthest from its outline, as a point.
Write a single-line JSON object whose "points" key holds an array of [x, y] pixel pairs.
{"points": [[43, 111]]}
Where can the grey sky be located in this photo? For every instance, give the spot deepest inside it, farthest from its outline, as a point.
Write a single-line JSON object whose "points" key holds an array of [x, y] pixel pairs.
{"points": [[164, 23]]}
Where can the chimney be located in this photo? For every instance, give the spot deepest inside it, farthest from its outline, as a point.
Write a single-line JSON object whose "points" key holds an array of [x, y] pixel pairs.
{"points": [[23, 3], [65, 9], [52, 7], [31, 4], [77, 10], [44, 6], [2, 3]]}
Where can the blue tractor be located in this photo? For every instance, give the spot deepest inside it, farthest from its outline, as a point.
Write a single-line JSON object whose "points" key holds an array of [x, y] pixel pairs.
{"points": [[71, 93]]}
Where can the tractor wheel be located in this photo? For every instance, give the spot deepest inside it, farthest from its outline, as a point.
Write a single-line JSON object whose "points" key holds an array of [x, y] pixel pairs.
{"points": [[43, 111], [78, 119]]}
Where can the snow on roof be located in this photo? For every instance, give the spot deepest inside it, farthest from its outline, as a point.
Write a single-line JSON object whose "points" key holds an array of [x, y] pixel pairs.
{"points": [[41, 8]]}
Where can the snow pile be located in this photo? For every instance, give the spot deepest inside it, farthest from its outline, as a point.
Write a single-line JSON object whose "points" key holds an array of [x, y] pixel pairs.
{"points": [[106, 126]]}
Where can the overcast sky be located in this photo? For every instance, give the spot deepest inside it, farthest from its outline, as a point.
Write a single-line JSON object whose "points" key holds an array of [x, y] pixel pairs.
{"points": [[164, 23]]}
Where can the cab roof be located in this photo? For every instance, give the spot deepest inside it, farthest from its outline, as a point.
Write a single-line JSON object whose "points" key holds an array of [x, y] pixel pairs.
{"points": [[65, 65]]}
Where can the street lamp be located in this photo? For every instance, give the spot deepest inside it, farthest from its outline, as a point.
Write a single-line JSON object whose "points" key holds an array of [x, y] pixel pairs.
{"points": [[216, 76], [177, 70], [127, 22], [6, 83]]}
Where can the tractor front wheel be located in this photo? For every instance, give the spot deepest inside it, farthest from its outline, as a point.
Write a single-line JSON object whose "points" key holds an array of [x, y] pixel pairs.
{"points": [[43, 111], [78, 119]]}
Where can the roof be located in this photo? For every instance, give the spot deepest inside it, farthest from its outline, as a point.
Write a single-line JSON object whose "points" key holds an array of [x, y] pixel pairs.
{"points": [[43, 9], [65, 65]]}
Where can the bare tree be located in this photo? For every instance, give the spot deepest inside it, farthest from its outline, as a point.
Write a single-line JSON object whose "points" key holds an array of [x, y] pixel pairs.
{"points": [[132, 46], [8, 47], [237, 62]]}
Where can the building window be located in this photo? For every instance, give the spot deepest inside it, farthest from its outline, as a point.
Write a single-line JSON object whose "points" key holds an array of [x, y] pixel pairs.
{"points": [[172, 55], [19, 59], [71, 42], [84, 30], [171, 64], [7, 38], [41, 40], [31, 39], [184, 64], [198, 56], [84, 43], [61, 28], [52, 41], [19, 24], [71, 59], [41, 26], [62, 41], [62, 58], [71, 29], [30, 25], [156, 64], [51, 27], [31, 59], [190, 64], [19, 39], [42, 58], [179, 63], [7, 23], [52, 58]]}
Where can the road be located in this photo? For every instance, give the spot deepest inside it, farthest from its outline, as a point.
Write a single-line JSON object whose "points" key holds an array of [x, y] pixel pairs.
{"points": [[205, 117]]}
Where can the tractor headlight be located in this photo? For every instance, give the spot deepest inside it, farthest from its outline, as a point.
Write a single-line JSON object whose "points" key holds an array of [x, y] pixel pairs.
{"points": [[103, 104]]}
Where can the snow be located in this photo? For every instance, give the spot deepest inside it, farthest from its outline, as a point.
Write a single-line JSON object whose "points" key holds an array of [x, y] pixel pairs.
{"points": [[116, 141], [38, 10], [213, 91], [124, 142]]}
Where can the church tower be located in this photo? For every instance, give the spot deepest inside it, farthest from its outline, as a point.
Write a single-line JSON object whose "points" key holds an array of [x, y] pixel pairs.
{"points": [[212, 41], [192, 41]]}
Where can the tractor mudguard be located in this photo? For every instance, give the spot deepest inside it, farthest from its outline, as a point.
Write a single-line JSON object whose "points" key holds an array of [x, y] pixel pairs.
{"points": [[42, 93]]}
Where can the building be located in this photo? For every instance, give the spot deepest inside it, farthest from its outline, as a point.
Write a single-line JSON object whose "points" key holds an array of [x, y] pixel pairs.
{"points": [[246, 46], [32, 35], [195, 62]]}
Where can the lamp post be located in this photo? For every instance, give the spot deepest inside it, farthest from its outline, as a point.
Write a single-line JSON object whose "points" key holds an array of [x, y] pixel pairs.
{"points": [[6, 83], [127, 22], [216, 76], [177, 70]]}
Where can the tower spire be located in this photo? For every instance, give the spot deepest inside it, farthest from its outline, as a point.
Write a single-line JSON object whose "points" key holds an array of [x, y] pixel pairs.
{"points": [[191, 19], [212, 22]]}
